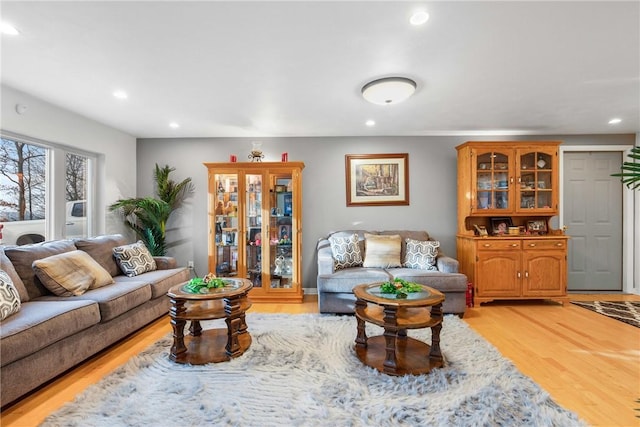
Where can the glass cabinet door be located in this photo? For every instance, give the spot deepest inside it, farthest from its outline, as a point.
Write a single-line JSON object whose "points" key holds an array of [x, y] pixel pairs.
{"points": [[281, 236], [492, 181], [253, 221], [535, 184], [226, 224]]}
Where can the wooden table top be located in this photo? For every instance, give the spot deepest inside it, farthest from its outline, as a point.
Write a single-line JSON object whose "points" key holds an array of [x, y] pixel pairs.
{"points": [[232, 288], [371, 293]]}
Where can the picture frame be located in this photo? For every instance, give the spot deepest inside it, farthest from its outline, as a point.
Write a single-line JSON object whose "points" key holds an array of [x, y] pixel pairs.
{"points": [[537, 226], [500, 226], [377, 179]]}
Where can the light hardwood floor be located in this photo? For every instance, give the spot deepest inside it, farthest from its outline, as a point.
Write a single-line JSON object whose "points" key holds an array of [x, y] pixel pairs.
{"points": [[587, 362]]}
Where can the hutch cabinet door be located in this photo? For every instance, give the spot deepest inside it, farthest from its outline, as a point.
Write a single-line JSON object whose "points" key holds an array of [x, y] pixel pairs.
{"points": [[544, 273], [225, 247], [537, 181], [492, 178], [498, 273]]}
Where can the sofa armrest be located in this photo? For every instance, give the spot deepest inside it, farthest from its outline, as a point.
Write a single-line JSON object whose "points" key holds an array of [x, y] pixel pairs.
{"points": [[325, 257], [165, 262], [447, 264]]}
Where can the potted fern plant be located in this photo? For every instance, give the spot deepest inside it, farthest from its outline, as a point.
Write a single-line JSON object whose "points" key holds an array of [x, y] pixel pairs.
{"points": [[148, 216]]}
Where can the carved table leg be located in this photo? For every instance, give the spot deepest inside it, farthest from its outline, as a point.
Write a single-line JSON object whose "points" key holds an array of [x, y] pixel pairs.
{"points": [[435, 353], [234, 325], [176, 312], [195, 328], [361, 338], [390, 334]]}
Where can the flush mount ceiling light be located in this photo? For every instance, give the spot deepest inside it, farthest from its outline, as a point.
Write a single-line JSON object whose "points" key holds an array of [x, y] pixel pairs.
{"points": [[389, 90]]}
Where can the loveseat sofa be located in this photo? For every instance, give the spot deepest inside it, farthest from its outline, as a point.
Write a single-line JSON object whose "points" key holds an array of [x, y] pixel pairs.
{"points": [[339, 270], [50, 333]]}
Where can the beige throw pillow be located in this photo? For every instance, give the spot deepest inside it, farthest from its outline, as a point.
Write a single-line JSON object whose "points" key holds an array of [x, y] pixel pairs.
{"points": [[382, 251], [71, 273]]}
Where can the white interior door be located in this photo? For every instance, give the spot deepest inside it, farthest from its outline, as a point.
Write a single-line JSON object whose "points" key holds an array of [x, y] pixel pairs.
{"points": [[592, 207]]}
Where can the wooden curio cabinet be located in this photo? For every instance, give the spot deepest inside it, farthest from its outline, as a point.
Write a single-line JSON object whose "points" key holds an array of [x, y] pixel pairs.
{"points": [[509, 190], [255, 226]]}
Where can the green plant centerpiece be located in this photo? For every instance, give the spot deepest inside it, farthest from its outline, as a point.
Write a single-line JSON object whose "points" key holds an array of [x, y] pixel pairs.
{"points": [[400, 287], [197, 284]]}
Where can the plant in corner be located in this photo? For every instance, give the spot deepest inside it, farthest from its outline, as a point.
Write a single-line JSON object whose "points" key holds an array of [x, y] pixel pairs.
{"points": [[148, 216], [630, 174]]}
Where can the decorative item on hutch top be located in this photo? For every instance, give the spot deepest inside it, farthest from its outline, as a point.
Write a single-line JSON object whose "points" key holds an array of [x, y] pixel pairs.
{"points": [[256, 152], [511, 189], [255, 226], [377, 179]]}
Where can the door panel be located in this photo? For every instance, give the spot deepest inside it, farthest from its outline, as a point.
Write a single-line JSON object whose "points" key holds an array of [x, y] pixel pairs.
{"points": [[592, 203]]}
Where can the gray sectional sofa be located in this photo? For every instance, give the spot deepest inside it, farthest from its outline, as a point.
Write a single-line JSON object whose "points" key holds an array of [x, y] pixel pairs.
{"points": [[50, 334], [335, 285]]}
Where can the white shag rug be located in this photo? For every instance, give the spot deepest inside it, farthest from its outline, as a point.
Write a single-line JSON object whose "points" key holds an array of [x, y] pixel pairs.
{"points": [[301, 370]]}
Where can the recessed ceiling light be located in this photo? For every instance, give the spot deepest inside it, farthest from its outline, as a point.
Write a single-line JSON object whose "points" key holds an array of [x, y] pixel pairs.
{"points": [[370, 123], [614, 121], [8, 29], [174, 125], [419, 17], [120, 94]]}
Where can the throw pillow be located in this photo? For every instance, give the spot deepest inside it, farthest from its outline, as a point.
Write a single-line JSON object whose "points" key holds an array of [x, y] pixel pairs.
{"points": [[382, 251], [71, 273], [421, 254], [9, 298], [134, 259], [346, 251]]}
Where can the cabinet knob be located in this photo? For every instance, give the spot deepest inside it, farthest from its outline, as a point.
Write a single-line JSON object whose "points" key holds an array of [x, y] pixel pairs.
{"points": [[519, 275], [559, 244], [515, 245], [533, 245], [487, 245], [526, 274]]}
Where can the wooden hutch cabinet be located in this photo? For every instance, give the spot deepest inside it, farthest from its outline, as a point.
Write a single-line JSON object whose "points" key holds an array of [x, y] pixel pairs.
{"points": [[507, 193], [255, 226]]}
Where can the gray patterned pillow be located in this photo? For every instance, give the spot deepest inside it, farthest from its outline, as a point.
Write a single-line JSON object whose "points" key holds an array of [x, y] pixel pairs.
{"points": [[134, 259], [346, 251], [9, 298], [421, 254]]}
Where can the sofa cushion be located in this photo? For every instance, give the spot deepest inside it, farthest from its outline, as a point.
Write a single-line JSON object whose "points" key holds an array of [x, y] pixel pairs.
{"points": [[118, 298], [159, 280], [346, 251], [101, 249], [9, 297], [345, 280], [22, 258], [41, 323], [421, 254], [134, 259], [382, 251], [7, 266], [71, 273]]}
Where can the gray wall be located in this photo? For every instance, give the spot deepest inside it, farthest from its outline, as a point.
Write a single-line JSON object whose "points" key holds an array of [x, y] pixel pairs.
{"points": [[432, 170], [116, 169]]}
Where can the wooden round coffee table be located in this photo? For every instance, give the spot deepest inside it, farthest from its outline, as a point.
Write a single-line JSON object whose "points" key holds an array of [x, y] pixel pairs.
{"points": [[395, 353], [210, 345]]}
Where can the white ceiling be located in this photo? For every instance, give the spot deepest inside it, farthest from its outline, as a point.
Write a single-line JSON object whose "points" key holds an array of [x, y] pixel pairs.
{"points": [[235, 69]]}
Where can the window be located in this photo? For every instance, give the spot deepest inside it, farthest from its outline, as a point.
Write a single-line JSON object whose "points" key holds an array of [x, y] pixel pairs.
{"points": [[29, 196]]}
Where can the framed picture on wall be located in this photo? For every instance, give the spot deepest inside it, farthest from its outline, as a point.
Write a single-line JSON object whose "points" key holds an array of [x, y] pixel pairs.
{"points": [[377, 179]]}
